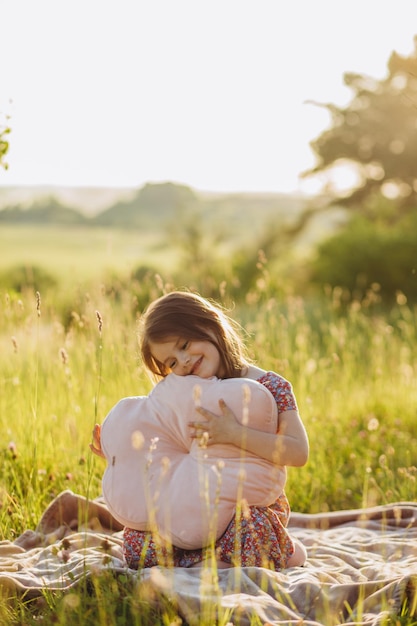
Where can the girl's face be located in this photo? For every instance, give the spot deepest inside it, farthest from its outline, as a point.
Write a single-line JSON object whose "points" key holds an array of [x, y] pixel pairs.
{"points": [[184, 357]]}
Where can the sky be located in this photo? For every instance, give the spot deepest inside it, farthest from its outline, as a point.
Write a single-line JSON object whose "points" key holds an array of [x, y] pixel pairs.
{"points": [[208, 93]]}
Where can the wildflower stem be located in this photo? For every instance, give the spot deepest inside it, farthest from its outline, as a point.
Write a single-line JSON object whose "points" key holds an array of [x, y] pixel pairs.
{"points": [[35, 394]]}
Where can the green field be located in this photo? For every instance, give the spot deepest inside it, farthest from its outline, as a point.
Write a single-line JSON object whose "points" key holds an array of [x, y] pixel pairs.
{"points": [[354, 372], [79, 254]]}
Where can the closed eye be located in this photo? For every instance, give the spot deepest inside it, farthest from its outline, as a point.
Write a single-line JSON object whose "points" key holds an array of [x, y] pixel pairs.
{"points": [[182, 346]]}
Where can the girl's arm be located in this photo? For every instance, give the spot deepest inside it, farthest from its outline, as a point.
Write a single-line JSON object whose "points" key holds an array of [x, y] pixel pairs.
{"points": [[288, 447]]}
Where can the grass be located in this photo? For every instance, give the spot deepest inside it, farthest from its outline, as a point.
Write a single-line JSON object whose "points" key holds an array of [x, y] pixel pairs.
{"points": [[353, 372], [83, 253]]}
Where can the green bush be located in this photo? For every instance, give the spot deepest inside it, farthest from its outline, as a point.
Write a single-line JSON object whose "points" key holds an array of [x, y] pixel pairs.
{"points": [[366, 257], [21, 277]]}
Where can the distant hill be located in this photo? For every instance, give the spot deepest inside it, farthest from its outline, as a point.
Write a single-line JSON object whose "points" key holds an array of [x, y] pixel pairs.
{"points": [[42, 211], [151, 203]]}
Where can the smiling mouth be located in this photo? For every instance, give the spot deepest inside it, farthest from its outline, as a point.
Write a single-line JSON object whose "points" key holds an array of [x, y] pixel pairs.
{"points": [[196, 365]]}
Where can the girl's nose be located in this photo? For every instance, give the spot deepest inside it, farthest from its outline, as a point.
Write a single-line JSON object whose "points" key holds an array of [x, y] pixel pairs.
{"points": [[185, 360]]}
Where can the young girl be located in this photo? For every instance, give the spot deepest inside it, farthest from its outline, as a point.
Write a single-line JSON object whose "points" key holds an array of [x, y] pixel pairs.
{"points": [[187, 334]]}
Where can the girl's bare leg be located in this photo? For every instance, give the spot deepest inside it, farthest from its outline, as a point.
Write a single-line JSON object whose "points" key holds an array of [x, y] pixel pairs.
{"points": [[299, 557]]}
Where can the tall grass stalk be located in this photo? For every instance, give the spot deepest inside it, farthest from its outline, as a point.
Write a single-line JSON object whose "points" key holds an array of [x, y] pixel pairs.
{"points": [[35, 391], [97, 417]]}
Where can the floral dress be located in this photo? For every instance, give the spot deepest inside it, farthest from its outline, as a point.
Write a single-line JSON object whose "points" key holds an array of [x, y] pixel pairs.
{"points": [[258, 536]]}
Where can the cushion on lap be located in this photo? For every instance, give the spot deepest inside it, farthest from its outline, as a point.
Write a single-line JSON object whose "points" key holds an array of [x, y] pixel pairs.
{"points": [[158, 477]]}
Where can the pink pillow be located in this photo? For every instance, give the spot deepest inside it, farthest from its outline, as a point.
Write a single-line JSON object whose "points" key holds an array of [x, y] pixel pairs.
{"points": [[158, 477]]}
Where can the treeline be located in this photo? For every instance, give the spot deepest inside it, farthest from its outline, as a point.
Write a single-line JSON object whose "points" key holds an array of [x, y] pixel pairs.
{"points": [[154, 204]]}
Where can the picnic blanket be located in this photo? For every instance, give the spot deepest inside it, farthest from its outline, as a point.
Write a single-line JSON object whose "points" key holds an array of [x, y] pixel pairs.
{"points": [[362, 565]]}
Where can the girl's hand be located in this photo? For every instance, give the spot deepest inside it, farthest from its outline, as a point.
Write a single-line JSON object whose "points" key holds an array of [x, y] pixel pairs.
{"points": [[95, 445], [222, 428]]}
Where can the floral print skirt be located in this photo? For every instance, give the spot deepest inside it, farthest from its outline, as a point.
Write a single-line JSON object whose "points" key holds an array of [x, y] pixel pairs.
{"points": [[258, 536]]}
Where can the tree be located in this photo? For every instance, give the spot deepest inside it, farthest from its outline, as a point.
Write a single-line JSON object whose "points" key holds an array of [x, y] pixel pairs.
{"points": [[376, 133], [4, 144]]}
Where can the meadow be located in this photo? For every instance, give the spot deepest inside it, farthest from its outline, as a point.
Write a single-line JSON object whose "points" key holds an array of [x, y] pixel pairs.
{"points": [[69, 353]]}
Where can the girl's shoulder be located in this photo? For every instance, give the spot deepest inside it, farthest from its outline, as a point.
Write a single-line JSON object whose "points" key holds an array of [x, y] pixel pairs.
{"points": [[279, 386], [257, 373], [254, 372]]}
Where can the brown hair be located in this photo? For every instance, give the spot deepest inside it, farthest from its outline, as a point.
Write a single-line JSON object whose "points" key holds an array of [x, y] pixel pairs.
{"points": [[188, 315]]}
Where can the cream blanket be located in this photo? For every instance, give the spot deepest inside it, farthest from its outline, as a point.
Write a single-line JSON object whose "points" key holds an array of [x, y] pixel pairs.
{"points": [[362, 564]]}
